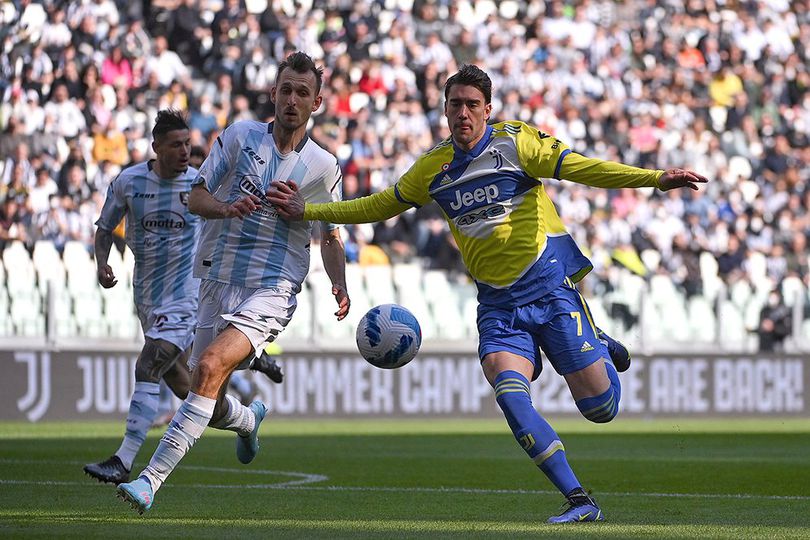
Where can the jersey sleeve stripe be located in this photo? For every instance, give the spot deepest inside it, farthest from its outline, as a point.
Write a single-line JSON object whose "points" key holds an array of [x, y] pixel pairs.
{"points": [[220, 143], [402, 199], [559, 163]]}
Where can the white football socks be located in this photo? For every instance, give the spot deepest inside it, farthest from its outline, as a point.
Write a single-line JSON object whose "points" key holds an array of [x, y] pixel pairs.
{"points": [[185, 428], [142, 411], [237, 418]]}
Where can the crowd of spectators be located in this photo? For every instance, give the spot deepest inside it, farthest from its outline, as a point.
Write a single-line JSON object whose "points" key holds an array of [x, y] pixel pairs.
{"points": [[719, 86]]}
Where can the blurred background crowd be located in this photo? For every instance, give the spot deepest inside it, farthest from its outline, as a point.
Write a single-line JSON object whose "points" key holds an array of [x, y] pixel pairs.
{"points": [[720, 87]]}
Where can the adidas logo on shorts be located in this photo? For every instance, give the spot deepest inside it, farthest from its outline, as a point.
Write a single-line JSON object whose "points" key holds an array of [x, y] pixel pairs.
{"points": [[586, 347]]}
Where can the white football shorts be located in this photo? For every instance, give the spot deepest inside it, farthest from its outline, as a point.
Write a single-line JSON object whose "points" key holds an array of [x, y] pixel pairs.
{"points": [[173, 321], [260, 314]]}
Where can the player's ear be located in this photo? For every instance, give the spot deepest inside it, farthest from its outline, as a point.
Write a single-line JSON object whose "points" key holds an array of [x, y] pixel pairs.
{"points": [[317, 103], [273, 93], [487, 110]]}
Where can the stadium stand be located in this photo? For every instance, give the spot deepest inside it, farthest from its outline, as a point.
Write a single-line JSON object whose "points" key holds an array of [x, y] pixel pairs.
{"points": [[719, 87]]}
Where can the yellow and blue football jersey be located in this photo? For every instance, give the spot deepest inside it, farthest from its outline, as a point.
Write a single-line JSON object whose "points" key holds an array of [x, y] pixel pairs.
{"points": [[510, 235]]}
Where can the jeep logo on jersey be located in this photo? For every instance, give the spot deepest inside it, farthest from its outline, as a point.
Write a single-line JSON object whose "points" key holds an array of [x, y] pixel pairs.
{"points": [[487, 193], [163, 221], [481, 214]]}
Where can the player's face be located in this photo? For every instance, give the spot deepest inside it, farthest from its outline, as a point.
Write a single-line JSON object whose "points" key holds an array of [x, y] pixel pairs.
{"points": [[173, 150], [467, 114], [295, 97]]}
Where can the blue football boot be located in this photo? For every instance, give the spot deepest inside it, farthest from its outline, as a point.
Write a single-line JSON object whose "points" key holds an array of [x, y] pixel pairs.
{"points": [[137, 493], [580, 508], [247, 447], [618, 352]]}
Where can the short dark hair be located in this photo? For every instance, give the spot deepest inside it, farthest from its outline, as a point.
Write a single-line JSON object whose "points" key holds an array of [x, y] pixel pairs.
{"points": [[300, 62], [168, 120], [471, 75]]}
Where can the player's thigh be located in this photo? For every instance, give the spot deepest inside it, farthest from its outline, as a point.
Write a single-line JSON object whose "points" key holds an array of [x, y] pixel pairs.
{"points": [[218, 360], [260, 315], [565, 331], [503, 347]]}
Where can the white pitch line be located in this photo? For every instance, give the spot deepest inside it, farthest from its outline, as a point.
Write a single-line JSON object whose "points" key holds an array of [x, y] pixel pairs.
{"points": [[306, 478]]}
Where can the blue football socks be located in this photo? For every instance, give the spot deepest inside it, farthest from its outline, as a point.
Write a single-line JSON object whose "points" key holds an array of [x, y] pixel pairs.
{"points": [[534, 434]]}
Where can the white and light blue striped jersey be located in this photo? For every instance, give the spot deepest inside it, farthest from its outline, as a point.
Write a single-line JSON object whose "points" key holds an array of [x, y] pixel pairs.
{"points": [[261, 250], [160, 231]]}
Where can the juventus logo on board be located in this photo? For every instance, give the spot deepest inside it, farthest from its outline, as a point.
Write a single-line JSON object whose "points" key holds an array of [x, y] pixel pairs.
{"points": [[37, 396]]}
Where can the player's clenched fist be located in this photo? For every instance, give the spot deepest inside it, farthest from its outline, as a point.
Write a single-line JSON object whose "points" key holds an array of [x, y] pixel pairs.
{"points": [[106, 276]]}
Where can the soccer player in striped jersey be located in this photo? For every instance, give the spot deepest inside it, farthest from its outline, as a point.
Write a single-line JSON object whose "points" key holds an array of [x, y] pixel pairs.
{"points": [[251, 263], [162, 234], [488, 180]]}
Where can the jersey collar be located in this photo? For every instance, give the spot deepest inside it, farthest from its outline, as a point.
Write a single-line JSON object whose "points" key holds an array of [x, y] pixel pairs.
{"points": [[298, 147], [479, 147]]}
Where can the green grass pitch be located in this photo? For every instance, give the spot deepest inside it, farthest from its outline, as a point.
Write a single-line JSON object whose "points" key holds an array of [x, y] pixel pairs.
{"points": [[419, 479]]}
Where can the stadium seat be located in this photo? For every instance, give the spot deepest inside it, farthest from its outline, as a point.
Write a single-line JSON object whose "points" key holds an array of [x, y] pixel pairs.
{"points": [[27, 318], [88, 309], [378, 284], [733, 334], [44, 254], [406, 276], [712, 284], [792, 290], [757, 266], [51, 273], [702, 320], [75, 253], [741, 293]]}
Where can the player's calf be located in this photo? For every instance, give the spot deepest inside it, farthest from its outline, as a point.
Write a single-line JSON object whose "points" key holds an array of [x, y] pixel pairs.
{"points": [[604, 407]]}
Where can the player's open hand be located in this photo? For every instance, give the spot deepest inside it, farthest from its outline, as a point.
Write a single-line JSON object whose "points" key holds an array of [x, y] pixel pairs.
{"points": [[342, 299], [287, 199], [678, 178], [106, 276], [243, 207]]}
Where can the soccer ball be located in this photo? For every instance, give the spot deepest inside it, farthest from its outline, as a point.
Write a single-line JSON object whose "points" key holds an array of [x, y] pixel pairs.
{"points": [[388, 336]]}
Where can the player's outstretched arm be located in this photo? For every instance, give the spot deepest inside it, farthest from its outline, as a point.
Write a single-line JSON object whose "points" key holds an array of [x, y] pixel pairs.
{"points": [[202, 203], [613, 175], [678, 178], [375, 207], [103, 242], [334, 262]]}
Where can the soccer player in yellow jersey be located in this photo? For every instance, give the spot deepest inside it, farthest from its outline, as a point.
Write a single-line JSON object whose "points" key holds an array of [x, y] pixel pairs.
{"points": [[488, 180]]}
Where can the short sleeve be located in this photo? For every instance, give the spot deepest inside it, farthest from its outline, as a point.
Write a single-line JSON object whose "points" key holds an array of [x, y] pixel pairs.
{"points": [[115, 206], [219, 161]]}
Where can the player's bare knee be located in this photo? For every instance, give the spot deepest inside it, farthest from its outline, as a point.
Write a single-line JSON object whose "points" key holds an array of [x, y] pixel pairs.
{"points": [[156, 358], [209, 372]]}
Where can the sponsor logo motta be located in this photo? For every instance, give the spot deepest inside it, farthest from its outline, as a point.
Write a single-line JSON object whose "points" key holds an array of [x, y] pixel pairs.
{"points": [[468, 198], [163, 221], [248, 185]]}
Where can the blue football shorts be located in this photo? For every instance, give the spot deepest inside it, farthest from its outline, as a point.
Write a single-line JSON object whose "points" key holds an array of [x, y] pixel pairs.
{"points": [[560, 324]]}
